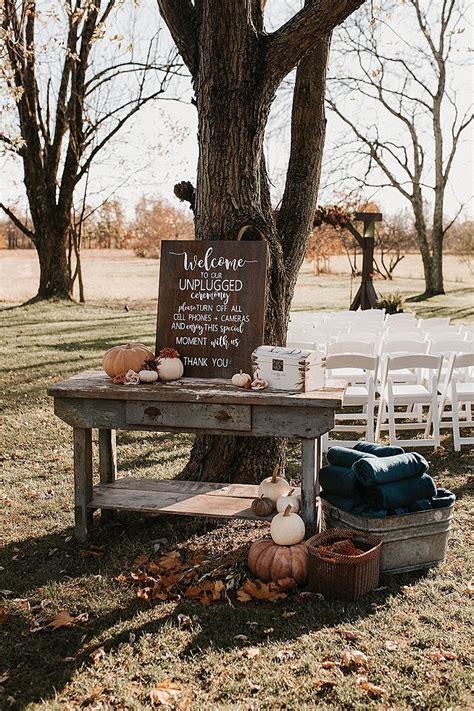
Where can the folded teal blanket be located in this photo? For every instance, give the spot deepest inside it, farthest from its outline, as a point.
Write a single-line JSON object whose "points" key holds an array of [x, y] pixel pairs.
{"points": [[340, 502], [379, 450], [420, 505], [443, 499], [374, 471], [346, 457], [340, 481], [396, 494]]}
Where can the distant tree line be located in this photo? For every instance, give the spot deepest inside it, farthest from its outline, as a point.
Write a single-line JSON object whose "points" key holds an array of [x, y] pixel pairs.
{"points": [[106, 227]]}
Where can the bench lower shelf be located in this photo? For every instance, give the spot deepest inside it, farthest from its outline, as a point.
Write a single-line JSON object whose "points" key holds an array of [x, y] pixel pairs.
{"points": [[186, 498]]}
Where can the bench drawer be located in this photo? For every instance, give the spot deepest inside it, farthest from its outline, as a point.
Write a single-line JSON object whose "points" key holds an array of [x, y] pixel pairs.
{"points": [[181, 414]]}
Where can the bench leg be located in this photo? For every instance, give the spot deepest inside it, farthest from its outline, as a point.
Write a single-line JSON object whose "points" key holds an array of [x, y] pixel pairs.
{"points": [[310, 506], [82, 482], [107, 462]]}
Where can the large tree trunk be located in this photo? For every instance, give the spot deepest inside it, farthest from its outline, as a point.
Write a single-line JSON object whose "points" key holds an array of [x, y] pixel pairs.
{"points": [[236, 69], [55, 277]]}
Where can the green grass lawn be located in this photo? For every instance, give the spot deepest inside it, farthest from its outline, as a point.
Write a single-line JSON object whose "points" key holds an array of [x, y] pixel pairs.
{"points": [[415, 629]]}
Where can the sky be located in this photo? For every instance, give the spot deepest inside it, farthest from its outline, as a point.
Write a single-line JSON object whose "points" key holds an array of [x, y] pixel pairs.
{"points": [[160, 148]]}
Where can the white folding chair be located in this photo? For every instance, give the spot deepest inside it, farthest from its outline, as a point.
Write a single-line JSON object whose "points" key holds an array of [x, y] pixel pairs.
{"points": [[351, 374], [428, 323], [359, 398], [358, 335], [441, 335], [422, 393], [405, 336], [458, 393]]}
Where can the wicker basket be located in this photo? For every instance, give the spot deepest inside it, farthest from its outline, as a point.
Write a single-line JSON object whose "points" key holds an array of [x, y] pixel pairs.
{"points": [[344, 577]]}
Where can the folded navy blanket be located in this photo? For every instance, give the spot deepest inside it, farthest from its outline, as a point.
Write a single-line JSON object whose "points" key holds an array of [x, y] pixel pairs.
{"points": [[396, 494], [443, 499], [379, 450], [374, 471], [346, 457], [340, 481]]}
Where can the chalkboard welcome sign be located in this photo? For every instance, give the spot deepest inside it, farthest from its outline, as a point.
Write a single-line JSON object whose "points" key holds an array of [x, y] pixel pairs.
{"points": [[211, 304]]}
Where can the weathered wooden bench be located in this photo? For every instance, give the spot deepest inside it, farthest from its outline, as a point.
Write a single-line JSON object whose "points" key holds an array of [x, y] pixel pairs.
{"points": [[91, 400]]}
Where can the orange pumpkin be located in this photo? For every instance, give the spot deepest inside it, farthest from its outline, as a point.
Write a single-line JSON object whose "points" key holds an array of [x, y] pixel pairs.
{"points": [[130, 356], [268, 561]]}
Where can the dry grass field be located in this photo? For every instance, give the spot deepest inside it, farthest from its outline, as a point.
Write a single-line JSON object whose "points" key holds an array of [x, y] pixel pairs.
{"points": [[406, 645], [119, 277]]}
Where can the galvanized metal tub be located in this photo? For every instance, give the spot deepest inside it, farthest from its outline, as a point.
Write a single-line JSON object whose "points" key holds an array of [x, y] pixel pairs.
{"points": [[410, 542]]}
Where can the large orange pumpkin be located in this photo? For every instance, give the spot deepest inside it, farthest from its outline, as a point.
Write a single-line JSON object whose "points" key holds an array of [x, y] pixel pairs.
{"points": [[130, 356], [268, 561]]}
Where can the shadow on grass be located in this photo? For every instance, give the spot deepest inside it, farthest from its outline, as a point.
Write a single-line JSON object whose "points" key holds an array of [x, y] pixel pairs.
{"points": [[41, 663]]}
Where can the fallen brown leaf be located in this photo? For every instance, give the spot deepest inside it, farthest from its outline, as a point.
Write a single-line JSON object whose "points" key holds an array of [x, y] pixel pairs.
{"points": [[284, 654], [442, 655], [350, 634], [92, 552], [251, 652], [164, 693], [62, 619], [354, 658], [97, 654], [328, 664], [3, 614], [140, 561], [365, 684], [325, 684]]}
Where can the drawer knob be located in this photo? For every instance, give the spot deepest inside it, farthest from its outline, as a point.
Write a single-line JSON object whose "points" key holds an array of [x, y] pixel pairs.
{"points": [[152, 411], [222, 415]]}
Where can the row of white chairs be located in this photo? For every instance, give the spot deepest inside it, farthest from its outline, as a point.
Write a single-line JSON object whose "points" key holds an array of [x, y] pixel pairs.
{"points": [[409, 385]]}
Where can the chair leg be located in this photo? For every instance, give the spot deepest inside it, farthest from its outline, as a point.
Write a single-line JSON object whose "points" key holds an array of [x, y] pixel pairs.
{"points": [[380, 418], [391, 416], [434, 415], [455, 415], [325, 442]]}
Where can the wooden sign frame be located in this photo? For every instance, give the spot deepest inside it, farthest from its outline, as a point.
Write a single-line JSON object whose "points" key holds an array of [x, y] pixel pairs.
{"points": [[211, 304]]}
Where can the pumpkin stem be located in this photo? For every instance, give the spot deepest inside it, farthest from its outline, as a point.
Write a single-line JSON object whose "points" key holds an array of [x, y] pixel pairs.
{"points": [[290, 492], [287, 511], [275, 473]]}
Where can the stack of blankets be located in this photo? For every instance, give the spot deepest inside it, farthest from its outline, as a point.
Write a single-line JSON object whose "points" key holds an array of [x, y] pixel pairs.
{"points": [[376, 480]]}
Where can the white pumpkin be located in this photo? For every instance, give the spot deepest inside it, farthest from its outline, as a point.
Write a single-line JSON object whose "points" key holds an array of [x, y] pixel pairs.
{"points": [[240, 380], [148, 376], [289, 500], [169, 365], [274, 486], [287, 529]]}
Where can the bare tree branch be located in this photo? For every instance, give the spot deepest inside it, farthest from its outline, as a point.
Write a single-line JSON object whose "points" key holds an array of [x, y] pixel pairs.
{"points": [[17, 222], [180, 16], [288, 45]]}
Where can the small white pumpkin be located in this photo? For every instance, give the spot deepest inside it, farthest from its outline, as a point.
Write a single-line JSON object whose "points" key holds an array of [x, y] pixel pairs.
{"points": [[169, 365], [240, 380], [274, 486], [148, 376], [288, 500], [287, 529]]}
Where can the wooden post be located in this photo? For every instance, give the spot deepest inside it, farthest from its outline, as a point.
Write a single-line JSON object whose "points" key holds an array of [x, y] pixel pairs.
{"points": [[107, 456], [310, 509], [366, 297], [107, 463], [82, 439]]}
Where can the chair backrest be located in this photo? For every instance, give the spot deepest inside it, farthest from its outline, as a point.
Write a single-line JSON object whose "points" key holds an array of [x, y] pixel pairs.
{"points": [[399, 326], [399, 318], [360, 347], [303, 345], [441, 335], [360, 336], [413, 336], [401, 346], [440, 328], [414, 362], [351, 360], [464, 360], [447, 347], [427, 323]]}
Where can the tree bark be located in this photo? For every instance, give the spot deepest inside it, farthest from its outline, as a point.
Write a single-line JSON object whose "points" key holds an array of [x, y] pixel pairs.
{"points": [[236, 70], [55, 277]]}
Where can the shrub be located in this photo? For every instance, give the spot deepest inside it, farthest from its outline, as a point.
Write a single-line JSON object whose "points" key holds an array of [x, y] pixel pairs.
{"points": [[392, 303]]}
